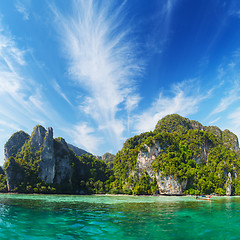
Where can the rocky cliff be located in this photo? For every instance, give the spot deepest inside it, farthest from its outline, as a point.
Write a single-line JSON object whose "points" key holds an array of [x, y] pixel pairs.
{"points": [[180, 156], [47, 163], [14, 144], [78, 151], [168, 185], [40, 163]]}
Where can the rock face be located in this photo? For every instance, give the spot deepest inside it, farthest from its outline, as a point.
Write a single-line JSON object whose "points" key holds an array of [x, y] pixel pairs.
{"points": [[230, 140], [47, 157], [37, 138], [204, 152], [63, 165], [78, 151], [146, 157], [166, 184], [53, 156], [14, 144], [170, 185], [14, 174], [228, 185], [180, 156]]}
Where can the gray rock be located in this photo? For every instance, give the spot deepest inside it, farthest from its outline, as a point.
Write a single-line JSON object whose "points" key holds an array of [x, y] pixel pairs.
{"points": [[170, 186], [63, 164], [78, 151], [52, 156], [230, 140], [228, 185], [14, 175], [166, 185], [147, 156], [204, 153], [15, 144], [37, 138], [47, 159]]}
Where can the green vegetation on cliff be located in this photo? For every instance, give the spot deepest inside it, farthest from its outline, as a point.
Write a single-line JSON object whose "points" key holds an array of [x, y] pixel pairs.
{"points": [[46, 165], [180, 156], [205, 157]]}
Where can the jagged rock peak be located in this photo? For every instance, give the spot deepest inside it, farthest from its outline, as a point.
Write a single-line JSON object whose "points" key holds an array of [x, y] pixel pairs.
{"points": [[50, 131], [177, 123], [78, 151], [37, 137], [47, 159], [230, 140], [64, 145], [14, 144]]}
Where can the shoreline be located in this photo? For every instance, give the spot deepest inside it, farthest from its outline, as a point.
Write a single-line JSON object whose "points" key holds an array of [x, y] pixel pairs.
{"points": [[111, 195]]}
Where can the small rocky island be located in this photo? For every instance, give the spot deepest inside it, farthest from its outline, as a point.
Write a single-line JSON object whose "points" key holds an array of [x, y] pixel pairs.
{"points": [[180, 156], [39, 163]]}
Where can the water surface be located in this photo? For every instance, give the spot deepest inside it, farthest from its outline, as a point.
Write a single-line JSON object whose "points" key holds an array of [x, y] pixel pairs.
{"points": [[118, 217]]}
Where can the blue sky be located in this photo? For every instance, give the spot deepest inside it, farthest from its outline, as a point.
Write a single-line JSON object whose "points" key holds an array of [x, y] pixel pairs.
{"points": [[99, 72]]}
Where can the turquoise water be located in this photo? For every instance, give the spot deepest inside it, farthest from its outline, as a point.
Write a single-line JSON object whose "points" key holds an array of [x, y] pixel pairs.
{"points": [[118, 217]]}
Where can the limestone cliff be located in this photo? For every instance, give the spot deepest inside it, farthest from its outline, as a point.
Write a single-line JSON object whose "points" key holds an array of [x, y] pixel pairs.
{"points": [[15, 144], [63, 164], [228, 185], [47, 162], [14, 174], [45, 156], [78, 151], [42, 164], [180, 156], [169, 184], [37, 138]]}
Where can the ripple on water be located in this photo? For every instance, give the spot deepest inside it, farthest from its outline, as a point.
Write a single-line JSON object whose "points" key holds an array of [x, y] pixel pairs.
{"points": [[117, 217]]}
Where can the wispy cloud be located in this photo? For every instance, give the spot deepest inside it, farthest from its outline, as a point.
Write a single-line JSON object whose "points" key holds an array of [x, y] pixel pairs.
{"points": [[233, 123], [102, 59], [232, 96], [21, 8], [228, 74], [59, 90], [22, 96], [184, 101], [214, 121], [83, 135], [161, 25]]}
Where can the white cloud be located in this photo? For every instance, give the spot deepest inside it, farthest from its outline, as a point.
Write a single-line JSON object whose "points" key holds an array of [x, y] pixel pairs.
{"points": [[160, 27], [214, 121], [232, 96], [132, 102], [58, 89], [96, 40], [23, 102], [83, 135], [234, 124], [21, 8], [184, 101]]}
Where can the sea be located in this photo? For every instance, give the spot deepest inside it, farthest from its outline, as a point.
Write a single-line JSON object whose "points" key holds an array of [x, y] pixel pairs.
{"points": [[36, 217]]}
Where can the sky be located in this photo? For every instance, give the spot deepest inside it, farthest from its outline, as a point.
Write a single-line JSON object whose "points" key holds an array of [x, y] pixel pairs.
{"points": [[99, 72]]}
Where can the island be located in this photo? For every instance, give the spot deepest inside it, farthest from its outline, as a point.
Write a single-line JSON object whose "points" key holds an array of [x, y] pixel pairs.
{"points": [[179, 157]]}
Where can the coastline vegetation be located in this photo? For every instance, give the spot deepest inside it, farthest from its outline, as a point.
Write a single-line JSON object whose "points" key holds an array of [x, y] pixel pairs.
{"points": [[205, 157]]}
